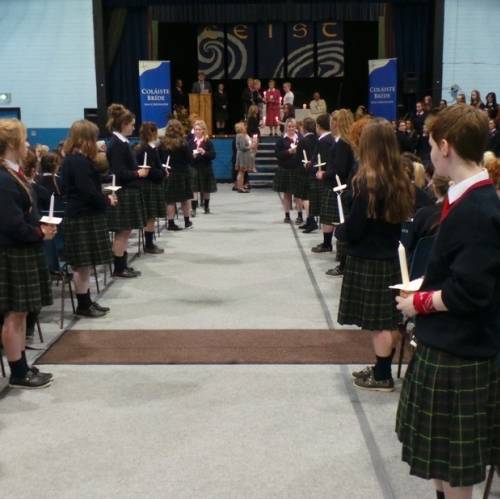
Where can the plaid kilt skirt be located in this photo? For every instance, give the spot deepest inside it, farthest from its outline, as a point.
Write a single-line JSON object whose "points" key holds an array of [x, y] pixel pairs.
{"points": [[301, 189], [86, 241], [315, 194], [365, 298], [448, 418], [202, 179], [154, 200], [24, 279], [129, 213], [329, 210], [284, 180], [177, 187]]}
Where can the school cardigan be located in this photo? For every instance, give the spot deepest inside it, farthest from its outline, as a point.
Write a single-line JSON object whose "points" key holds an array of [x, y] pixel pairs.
{"points": [[465, 265], [339, 161], [180, 158], [81, 185], [286, 159], [307, 143], [157, 172], [122, 163], [366, 237], [323, 147], [202, 160], [18, 225]]}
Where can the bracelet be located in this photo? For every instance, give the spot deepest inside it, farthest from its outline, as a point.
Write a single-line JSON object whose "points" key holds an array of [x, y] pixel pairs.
{"points": [[422, 302]]}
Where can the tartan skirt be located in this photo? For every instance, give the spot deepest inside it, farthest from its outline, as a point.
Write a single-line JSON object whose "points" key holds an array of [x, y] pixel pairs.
{"points": [[448, 418], [315, 194], [154, 200], [202, 179], [129, 213], [365, 298], [86, 241], [177, 188], [301, 190], [24, 279], [329, 210], [285, 180]]}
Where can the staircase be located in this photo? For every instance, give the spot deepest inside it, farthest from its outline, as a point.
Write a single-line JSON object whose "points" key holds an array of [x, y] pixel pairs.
{"points": [[265, 163]]}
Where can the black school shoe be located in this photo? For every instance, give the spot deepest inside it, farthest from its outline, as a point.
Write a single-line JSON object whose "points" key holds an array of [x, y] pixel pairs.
{"points": [[37, 371], [287, 220], [188, 225], [310, 228], [338, 271], [173, 227], [126, 273], [91, 312], [364, 373], [321, 248], [370, 383], [154, 250], [299, 221], [31, 380], [100, 307]]}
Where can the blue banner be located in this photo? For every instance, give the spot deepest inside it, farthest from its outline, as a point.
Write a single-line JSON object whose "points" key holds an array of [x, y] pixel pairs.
{"points": [[383, 82], [154, 88]]}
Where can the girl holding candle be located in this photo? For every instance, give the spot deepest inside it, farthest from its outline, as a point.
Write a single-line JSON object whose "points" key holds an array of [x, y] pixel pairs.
{"points": [[449, 411], [382, 200], [176, 150], [288, 161], [24, 276], [86, 239], [203, 179], [152, 186], [129, 213], [272, 100]]}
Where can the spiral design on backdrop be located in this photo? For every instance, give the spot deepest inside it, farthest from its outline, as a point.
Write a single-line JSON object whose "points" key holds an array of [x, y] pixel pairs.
{"points": [[237, 56], [211, 53], [330, 58], [297, 60]]}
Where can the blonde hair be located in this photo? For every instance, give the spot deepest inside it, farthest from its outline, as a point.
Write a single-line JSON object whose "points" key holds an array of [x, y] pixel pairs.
{"points": [[202, 125], [82, 137], [12, 136], [345, 120], [492, 165], [240, 127]]}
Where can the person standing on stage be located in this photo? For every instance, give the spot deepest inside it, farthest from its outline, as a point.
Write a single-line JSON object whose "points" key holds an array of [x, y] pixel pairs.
{"points": [[175, 152], [448, 418], [203, 179], [221, 113], [247, 97], [86, 237], [288, 97], [24, 275], [258, 97], [382, 201], [179, 97], [272, 99], [152, 185], [129, 213], [202, 86], [317, 105], [285, 176]]}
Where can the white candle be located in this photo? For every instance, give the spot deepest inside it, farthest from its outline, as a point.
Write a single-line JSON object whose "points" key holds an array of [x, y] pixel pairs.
{"points": [[319, 159], [305, 155], [51, 209], [403, 264], [338, 180], [113, 180], [145, 159], [341, 208], [168, 162]]}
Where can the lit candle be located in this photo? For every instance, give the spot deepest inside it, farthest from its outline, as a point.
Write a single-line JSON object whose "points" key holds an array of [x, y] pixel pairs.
{"points": [[277, 119], [341, 208], [403, 264], [51, 209], [145, 159]]}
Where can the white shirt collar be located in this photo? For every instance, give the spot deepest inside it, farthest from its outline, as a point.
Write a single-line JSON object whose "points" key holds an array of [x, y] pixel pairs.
{"points": [[12, 165], [324, 134], [457, 190], [120, 136]]}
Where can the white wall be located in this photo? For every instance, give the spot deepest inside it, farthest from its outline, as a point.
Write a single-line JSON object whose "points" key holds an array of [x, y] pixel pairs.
{"points": [[471, 51], [47, 59]]}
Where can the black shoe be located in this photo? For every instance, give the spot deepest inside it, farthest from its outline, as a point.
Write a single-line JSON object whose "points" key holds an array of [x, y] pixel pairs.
{"points": [[207, 211], [370, 383], [173, 227], [126, 273], [303, 226], [37, 371], [193, 213], [100, 307], [154, 250], [31, 380], [188, 225], [91, 312], [310, 228], [321, 248], [235, 188], [336, 272], [299, 221], [364, 373], [287, 220]]}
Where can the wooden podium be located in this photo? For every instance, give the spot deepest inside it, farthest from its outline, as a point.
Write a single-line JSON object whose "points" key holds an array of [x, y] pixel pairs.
{"points": [[201, 104]]}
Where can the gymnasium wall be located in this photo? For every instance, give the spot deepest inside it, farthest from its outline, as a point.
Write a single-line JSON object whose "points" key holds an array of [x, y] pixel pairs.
{"points": [[471, 58], [48, 63]]}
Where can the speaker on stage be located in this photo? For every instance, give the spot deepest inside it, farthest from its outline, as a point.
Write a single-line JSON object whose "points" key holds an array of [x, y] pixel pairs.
{"points": [[92, 114], [411, 83]]}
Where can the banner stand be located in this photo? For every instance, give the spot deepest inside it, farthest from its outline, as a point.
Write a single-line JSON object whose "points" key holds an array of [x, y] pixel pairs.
{"points": [[383, 82]]}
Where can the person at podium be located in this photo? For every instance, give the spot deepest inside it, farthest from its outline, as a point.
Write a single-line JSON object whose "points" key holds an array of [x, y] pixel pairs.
{"points": [[202, 86]]}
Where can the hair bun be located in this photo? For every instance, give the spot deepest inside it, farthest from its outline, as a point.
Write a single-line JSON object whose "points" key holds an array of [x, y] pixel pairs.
{"points": [[116, 110]]}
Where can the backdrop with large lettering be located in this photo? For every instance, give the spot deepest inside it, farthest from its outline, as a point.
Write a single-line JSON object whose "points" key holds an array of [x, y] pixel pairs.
{"points": [[329, 49], [271, 50], [211, 51], [311, 50]]}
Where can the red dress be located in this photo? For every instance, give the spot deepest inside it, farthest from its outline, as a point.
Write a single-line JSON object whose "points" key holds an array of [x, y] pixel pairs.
{"points": [[272, 98]]}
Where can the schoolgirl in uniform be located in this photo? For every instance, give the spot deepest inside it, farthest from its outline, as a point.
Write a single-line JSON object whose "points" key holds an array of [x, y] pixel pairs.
{"points": [[176, 152], [202, 174], [86, 238], [152, 185], [382, 200], [24, 275], [288, 161], [129, 213], [449, 411]]}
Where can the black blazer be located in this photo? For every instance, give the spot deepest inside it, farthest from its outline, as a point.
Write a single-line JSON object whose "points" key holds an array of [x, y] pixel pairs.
{"points": [[204, 160], [308, 143], [122, 163], [340, 161], [157, 172], [286, 160], [180, 158]]}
